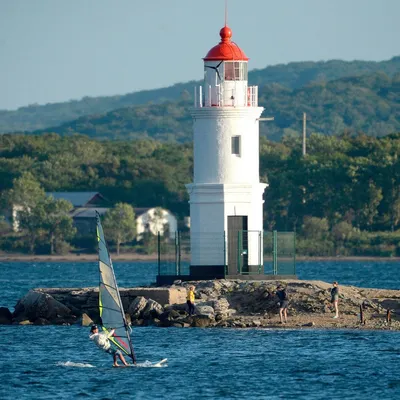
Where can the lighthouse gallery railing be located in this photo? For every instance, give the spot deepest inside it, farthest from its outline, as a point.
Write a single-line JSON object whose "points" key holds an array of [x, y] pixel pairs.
{"points": [[249, 98]]}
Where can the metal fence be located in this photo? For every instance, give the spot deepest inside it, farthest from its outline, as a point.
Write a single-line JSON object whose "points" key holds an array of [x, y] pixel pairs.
{"points": [[174, 254], [279, 253], [255, 253]]}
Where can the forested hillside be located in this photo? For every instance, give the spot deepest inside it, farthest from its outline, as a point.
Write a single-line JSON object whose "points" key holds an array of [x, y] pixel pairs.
{"points": [[342, 177], [343, 197], [369, 104], [292, 76]]}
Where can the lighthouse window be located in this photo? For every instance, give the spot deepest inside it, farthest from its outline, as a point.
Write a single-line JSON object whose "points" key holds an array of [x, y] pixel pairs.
{"points": [[236, 145], [235, 71]]}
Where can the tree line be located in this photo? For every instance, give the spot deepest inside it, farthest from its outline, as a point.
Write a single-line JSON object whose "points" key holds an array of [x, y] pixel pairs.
{"points": [[291, 76], [343, 197], [367, 103]]}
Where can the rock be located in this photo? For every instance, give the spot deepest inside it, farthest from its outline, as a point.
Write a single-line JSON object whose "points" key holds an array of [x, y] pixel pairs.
{"points": [[36, 305], [256, 322], [25, 322], [5, 316], [136, 307], [201, 321], [221, 306], [219, 317], [205, 310], [41, 321], [86, 320], [152, 309], [309, 324], [177, 307], [169, 315]]}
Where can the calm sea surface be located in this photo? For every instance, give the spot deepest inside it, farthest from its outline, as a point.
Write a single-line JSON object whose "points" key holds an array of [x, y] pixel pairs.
{"points": [[56, 362]]}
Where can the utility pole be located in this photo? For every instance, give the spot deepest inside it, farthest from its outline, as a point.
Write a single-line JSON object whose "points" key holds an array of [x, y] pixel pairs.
{"points": [[304, 134]]}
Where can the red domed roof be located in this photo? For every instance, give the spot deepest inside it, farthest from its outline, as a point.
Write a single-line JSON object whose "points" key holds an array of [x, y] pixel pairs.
{"points": [[226, 49]]}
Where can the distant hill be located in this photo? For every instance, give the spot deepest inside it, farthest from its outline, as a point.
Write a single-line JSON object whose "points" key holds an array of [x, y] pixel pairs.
{"points": [[368, 103], [292, 75]]}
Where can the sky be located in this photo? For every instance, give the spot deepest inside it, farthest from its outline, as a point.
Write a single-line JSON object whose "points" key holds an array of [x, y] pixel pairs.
{"points": [[59, 50]]}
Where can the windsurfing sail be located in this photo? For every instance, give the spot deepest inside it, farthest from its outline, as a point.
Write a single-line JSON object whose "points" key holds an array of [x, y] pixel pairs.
{"points": [[111, 310]]}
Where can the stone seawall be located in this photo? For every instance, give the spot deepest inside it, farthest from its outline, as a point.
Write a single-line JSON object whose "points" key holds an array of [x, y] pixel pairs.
{"points": [[219, 303]]}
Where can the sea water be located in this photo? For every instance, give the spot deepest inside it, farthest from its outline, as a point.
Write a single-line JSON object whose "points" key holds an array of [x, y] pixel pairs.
{"points": [[59, 362]]}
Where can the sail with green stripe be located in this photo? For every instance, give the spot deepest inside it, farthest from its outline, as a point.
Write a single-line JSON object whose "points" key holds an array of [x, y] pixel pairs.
{"points": [[111, 309]]}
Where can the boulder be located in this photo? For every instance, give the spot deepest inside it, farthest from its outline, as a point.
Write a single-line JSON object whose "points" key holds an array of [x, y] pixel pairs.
{"points": [[201, 321], [169, 315], [41, 321], [25, 322], [221, 307], [86, 320], [136, 307], [5, 316], [205, 310], [177, 307], [36, 305], [152, 309], [128, 319]]}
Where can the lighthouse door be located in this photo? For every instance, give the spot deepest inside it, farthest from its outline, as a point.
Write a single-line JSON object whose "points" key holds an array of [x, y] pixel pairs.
{"points": [[237, 227]]}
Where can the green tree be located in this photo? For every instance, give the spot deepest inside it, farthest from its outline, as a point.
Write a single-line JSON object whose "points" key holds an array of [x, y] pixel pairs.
{"points": [[58, 223], [23, 198], [26, 192], [315, 228], [119, 224], [341, 233]]}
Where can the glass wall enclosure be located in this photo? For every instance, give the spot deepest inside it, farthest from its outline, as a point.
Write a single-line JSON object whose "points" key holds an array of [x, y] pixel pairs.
{"points": [[225, 84], [235, 70]]}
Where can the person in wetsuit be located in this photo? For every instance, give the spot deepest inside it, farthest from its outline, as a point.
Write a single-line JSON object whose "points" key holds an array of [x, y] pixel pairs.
{"points": [[103, 342]]}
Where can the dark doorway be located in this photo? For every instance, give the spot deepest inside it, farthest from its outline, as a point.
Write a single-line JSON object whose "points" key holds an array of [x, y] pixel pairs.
{"points": [[237, 240]]}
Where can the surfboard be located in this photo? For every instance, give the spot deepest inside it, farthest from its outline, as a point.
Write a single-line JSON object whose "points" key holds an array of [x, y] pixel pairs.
{"points": [[160, 363], [146, 364]]}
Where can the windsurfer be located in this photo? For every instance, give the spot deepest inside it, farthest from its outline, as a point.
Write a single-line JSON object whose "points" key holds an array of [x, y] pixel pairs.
{"points": [[102, 341]]}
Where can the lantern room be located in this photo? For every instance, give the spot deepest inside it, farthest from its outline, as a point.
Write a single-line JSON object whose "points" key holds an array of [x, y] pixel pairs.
{"points": [[225, 76]]}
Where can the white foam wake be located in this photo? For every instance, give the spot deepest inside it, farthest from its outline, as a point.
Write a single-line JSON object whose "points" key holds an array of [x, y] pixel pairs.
{"points": [[149, 364], [74, 364]]}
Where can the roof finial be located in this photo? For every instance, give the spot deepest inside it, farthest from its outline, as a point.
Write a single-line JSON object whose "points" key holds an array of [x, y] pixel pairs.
{"points": [[226, 12]]}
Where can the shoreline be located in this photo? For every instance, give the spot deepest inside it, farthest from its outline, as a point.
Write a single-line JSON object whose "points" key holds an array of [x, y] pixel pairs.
{"points": [[218, 304], [153, 257]]}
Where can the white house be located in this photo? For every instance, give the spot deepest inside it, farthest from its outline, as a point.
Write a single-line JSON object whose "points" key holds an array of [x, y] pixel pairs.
{"points": [[151, 219]]}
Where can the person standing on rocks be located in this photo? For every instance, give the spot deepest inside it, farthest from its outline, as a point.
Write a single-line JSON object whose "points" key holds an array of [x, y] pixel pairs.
{"points": [[283, 303], [190, 300], [335, 298], [102, 341]]}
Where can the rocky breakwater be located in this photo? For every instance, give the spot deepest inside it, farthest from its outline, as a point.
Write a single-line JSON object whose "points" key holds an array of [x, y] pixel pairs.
{"points": [[219, 303]]}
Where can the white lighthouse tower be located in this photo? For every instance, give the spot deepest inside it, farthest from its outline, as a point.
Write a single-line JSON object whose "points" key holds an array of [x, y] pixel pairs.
{"points": [[226, 196]]}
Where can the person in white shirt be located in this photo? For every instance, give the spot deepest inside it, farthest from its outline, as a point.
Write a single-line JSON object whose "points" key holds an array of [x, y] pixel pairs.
{"points": [[103, 342]]}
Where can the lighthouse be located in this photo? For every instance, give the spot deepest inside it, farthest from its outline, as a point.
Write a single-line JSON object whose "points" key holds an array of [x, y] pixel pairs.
{"points": [[226, 195]]}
